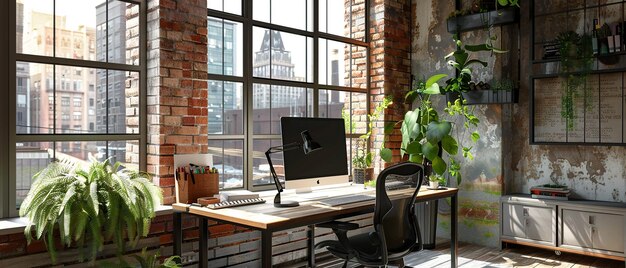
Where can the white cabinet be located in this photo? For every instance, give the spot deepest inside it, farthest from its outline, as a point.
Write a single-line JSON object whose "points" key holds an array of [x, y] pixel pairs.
{"points": [[527, 222], [592, 230], [586, 227]]}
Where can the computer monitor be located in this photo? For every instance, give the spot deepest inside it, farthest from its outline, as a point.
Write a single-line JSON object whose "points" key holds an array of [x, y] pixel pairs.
{"points": [[325, 166]]}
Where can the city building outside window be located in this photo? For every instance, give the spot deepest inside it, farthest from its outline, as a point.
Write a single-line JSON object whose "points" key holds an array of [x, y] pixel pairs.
{"points": [[252, 87], [85, 65]]}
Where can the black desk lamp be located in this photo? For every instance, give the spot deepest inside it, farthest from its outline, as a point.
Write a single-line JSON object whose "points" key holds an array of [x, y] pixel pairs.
{"points": [[308, 145]]}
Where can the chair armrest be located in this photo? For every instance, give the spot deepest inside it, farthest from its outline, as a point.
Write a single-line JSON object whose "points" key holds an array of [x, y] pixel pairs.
{"points": [[338, 225]]}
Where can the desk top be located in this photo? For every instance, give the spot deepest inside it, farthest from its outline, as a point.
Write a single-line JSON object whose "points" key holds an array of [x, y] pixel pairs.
{"points": [[266, 216]]}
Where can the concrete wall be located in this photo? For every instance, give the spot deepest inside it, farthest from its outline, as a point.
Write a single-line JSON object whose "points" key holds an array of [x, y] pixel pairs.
{"points": [[592, 172], [482, 183]]}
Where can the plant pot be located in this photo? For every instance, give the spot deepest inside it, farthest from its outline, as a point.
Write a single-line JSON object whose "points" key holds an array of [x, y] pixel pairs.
{"points": [[482, 20], [362, 175], [433, 184], [476, 96]]}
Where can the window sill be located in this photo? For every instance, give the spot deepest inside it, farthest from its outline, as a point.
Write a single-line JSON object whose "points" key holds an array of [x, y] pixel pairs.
{"points": [[17, 225]]}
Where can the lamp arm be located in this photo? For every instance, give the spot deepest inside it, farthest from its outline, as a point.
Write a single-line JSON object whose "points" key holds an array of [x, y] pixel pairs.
{"points": [[276, 149]]}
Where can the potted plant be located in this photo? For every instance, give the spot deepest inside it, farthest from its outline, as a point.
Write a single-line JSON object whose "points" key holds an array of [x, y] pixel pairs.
{"points": [[435, 180], [86, 205], [463, 61], [504, 90], [362, 161], [145, 260]]}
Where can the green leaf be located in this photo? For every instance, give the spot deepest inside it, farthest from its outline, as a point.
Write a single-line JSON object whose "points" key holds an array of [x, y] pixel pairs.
{"points": [[386, 154], [437, 130], [413, 148], [439, 166], [475, 136], [434, 79], [450, 145], [389, 127], [416, 158], [432, 89], [430, 151]]}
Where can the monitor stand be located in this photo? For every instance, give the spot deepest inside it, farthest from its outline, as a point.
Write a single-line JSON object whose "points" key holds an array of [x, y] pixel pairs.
{"points": [[304, 190]]}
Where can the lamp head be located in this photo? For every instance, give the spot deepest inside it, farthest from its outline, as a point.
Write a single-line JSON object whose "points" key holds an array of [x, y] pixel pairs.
{"points": [[308, 144]]}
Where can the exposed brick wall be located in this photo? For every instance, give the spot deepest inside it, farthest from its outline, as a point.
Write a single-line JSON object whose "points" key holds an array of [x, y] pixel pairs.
{"points": [[177, 86], [390, 44], [177, 124]]}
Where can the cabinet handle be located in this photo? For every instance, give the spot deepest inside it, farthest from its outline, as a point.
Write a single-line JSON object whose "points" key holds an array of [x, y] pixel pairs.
{"points": [[525, 211], [593, 230], [526, 222], [592, 220]]}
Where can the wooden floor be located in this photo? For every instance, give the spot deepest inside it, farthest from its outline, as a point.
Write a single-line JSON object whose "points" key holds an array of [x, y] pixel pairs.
{"points": [[477, 256]]}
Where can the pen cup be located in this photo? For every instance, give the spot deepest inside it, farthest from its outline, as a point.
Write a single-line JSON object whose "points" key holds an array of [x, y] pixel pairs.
{"points": [[189, 189]]}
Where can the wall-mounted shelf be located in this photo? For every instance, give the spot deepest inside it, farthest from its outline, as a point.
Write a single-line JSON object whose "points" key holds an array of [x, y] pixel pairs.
{"points": [[597, 112], [469, 22], [480, 97]]}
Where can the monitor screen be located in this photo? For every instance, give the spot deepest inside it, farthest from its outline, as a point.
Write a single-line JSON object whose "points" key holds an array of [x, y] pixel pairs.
{"points": [[329, 160]]}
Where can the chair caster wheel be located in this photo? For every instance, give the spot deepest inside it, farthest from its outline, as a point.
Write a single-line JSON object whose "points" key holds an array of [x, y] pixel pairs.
{"points": [[557, 252]]}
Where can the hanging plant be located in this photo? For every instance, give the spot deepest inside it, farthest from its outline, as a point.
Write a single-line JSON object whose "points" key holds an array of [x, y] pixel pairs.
{"points": [[576, 56]]}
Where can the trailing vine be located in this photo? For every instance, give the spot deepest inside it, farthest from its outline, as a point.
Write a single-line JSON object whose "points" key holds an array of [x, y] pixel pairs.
{"points": [[576, 63]]}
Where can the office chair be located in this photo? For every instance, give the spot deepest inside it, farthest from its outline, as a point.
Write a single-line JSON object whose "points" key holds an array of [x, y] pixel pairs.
{"points": [[396, 231]]}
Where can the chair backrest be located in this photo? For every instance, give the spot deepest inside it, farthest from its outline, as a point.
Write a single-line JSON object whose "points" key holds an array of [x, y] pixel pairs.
{"points": [[396, 219]]}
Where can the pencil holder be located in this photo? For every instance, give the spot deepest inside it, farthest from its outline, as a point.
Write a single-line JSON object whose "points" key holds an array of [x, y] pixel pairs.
{"points": [[189, 188]]}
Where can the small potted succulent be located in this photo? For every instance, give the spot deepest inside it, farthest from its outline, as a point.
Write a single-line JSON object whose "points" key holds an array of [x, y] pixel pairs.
{"points": [[435, 180]]}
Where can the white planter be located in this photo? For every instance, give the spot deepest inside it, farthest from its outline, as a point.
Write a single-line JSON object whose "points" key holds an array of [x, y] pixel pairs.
{"points": [[433, 184]]}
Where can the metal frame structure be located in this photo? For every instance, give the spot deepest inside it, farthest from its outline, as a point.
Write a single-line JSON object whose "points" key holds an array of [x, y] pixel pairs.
{"points": [[535, 69], [248, 80], [7, 154]]}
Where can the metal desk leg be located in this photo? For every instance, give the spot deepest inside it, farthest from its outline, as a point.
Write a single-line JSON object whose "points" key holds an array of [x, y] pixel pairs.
{"points": [[178, 233], [266, 248], [454, 244], [310, 235], [203, 256]]}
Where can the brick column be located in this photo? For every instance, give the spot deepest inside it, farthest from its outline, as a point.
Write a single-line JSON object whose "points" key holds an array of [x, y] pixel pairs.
{"points": [[390, 71], [177, 86]]}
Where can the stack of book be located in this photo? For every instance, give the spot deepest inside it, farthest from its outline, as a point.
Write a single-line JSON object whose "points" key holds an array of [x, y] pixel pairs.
{"points": [[551, 51], [550, 191]]}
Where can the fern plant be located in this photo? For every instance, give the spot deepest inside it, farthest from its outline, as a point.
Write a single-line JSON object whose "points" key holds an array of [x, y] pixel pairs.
{"points": [[89, 206]]}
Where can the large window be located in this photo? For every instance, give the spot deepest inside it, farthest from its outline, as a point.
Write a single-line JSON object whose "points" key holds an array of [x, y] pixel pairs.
{"points": [[273, 58], [79, 86]]}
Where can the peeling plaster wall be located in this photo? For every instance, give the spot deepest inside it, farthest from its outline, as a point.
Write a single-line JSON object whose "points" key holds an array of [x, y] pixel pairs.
{"points": [[592, 172], [482, 183]]}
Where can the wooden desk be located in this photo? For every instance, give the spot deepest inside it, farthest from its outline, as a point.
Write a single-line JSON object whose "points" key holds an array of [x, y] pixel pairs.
{"points": [[268, 219]]}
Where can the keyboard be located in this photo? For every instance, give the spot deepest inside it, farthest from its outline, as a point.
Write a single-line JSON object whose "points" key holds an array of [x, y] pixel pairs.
{"points": [[229, 204], [345, 199]]}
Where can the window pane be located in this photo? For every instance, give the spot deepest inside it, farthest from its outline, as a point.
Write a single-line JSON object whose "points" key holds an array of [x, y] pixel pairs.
{"points": [[288, 57], [228, 159], [261, 10], [216, 4], [343, 18], [34, 98], [225, 47], [261, 169], [290, 13], [76, 25], [123, 98], [33, 23], [232, 6], [334, 63], [271, 102], [334, 104], [30, 158], [77, 83], [351, 106], [123, 32], [225, 111]]}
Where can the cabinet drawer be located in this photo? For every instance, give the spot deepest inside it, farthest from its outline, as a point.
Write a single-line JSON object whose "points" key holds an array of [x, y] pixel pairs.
{"points": [[528, 222], [575, 228], [592, 230]]}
